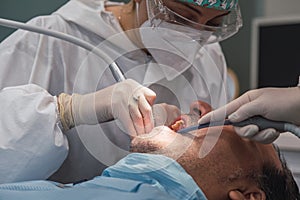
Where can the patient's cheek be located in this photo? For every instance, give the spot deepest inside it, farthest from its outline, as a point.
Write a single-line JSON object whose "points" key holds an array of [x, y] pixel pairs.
{"points": [[158, 139], [163, 135]]}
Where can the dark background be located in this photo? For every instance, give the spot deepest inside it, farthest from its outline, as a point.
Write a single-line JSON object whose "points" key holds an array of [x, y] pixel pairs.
{"points": [[279, 55]]}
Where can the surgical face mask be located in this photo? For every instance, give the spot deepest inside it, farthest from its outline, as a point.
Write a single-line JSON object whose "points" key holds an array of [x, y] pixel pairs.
{"points": [[171, 46]]}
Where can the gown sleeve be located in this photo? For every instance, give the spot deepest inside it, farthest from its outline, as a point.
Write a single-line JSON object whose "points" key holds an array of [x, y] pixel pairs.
{"points": [[32, 145]]}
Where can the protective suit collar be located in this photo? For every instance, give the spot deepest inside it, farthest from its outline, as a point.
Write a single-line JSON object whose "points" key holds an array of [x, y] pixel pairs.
{"points": [[157, 170], [101, 22]]}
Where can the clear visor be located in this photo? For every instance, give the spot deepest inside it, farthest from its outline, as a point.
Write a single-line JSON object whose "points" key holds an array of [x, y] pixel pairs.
{"points": [[175, 12]]}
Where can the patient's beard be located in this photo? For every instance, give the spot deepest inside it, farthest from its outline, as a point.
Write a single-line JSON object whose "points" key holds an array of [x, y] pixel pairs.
{"points": [[144, 147], [174, 150]]}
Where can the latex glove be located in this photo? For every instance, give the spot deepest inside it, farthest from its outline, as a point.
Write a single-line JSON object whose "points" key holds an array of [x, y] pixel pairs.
{"points": [[165, 114], [279, 104], [127, 101]]}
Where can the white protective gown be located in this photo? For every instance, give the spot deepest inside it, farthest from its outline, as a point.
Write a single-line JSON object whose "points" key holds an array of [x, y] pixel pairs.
{"points": [[58, 66]]}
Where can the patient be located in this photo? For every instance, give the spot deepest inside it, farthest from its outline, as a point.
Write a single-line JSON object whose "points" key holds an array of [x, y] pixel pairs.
{"points": [[235, 168], [212, 164]]}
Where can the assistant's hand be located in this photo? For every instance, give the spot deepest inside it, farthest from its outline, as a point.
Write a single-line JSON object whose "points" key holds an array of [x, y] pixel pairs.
{"points": [[127, 101], [165, 114], [279, 104]]}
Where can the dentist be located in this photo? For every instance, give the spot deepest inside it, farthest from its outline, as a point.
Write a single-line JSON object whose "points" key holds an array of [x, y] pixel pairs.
{"points": [[169, 46]]}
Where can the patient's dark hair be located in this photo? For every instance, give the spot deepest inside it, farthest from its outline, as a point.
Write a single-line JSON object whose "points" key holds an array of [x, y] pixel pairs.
{"points": [[279, 184]]}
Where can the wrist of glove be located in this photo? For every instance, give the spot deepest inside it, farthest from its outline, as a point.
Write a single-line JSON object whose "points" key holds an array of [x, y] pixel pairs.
{"points": [[65, 111], [79, 109]]}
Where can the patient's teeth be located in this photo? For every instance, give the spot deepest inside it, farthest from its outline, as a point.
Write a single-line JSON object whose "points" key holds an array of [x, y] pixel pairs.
{"points": [[177, 125]]}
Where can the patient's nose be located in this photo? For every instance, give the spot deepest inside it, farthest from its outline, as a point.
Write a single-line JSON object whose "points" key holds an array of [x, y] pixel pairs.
{"points": [[199, 108]]}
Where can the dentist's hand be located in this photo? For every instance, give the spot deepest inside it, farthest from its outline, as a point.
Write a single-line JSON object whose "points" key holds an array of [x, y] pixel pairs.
{"points": [[279, 104], [127, 101], [165, 114]]}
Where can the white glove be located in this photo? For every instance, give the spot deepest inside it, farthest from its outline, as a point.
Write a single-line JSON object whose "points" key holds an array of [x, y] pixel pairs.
{"points": [[279, 104], [165, 114], [127, 101]]}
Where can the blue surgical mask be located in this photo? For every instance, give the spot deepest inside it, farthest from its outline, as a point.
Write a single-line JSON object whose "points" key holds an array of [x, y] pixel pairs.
{"points": [[159, 171]]}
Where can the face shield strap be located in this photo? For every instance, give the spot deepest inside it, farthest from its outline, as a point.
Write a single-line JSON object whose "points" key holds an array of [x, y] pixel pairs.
{"points": [[159, 13]]}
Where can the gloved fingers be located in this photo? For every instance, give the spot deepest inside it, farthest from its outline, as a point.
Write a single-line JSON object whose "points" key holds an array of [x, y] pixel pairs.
{"points": [[223, 112], [165, 114], [266, 136], [159, 114], [246, 131], [129, 126], [141, 111], [246, 111], [173, 113], [252, 132], [146, 112], [217, 115], [136, 116], [227, 110], [141, 114], [149, 95], [124, 117]]}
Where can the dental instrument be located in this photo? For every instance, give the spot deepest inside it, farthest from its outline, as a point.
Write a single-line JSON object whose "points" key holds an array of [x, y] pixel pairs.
{"points": [[114, 68], [259, 121]]}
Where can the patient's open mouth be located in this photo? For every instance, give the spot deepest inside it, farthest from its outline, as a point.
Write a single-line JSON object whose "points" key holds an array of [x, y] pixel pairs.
{"points": [[178, 124]]}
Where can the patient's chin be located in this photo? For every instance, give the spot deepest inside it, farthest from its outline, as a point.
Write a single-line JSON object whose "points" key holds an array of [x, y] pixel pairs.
{"points": [[144, 146], [167, 143]]}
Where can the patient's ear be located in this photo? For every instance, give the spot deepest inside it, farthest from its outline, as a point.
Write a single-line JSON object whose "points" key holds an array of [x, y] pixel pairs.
{"points": [[255, 194]]}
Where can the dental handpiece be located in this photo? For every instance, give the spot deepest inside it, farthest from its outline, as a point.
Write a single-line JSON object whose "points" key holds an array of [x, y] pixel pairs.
{"points": [[259, 121]]}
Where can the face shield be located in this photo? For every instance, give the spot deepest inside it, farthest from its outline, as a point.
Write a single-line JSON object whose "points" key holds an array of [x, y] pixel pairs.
{"points": [[179, 14]]}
